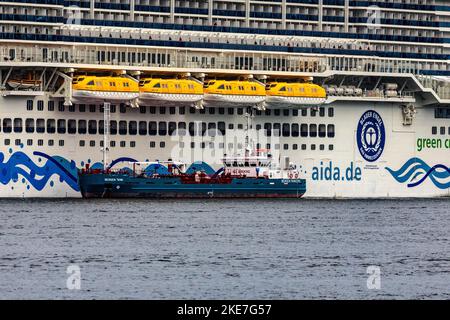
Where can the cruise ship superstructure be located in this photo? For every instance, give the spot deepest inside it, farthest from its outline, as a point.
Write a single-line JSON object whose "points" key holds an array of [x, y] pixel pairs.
{"points": [[355, 92]]}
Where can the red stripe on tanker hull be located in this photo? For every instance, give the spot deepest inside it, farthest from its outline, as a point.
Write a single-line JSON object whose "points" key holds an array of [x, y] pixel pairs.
{"points": [[176, 195]]}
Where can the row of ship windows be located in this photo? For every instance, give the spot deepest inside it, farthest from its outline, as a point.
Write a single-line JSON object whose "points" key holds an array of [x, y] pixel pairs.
{"points": [[181, 145], [162, 128], [322, 112], [442, 130]]}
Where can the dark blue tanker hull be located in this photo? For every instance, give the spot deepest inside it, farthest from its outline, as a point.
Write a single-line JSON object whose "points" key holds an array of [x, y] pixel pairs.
{"points": [[126, 186]]}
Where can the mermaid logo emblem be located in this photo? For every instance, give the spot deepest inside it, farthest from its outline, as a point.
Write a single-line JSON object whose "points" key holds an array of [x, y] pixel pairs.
{"points": [[371, 136]]}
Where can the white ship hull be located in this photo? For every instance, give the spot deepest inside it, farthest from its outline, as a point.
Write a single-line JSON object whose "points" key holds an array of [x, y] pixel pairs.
{"points": [[409, 165]]}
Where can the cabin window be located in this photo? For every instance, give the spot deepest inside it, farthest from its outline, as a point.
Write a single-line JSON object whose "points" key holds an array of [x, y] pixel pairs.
{"points": [[92, 127], [331, 147], [51, 143], [182, 110], [304, 112], [91, 83], [304, 130], [126, 85], [40, 126], [182, 128], [212, 129], [29, 126], [112, 128], [72, 126], [204, 128], [40, 105], [276, 130], [277, 112], [142, 109], [82, 127], [152, 144], [132, 128], [29, 105], [322, 131], [286, 112], [112, 84], [51, 126], [61, 126], [331, 131], [18, 125], [162, 128], [51, 106], [331, 112], [122, 128], [268, 129], [286, 130], [230, 111], [222, 128], [192, 129], [322, 112], [221, 87], [82, 143], [172, 110], [157, 85], [29, 142], [295, 130], [313, 130], [283, 89], [172, 128], [92, 143], [142, 128], [162, 144], [433, 130], [152, 128]]}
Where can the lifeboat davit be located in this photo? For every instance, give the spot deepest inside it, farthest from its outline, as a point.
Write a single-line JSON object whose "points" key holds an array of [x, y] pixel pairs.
{"points": [[284, 94], [234, 93], [88, 88], [171, 92]]}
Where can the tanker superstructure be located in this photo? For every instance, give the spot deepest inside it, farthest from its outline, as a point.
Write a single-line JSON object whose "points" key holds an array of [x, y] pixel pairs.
{"points": [[356, 93]]}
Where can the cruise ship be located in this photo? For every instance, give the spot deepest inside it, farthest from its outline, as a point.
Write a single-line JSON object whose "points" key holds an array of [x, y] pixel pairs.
{"points": [[357, 93]]}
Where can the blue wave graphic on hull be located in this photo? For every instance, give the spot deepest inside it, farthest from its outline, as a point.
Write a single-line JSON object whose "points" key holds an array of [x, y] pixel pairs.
{"points": [[19, 164], [416, 171]]}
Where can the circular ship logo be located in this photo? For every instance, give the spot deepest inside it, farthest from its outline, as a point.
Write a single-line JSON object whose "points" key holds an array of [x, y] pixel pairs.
{"points": [[371, 136]]}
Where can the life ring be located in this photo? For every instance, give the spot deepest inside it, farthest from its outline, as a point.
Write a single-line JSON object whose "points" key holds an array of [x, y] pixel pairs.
{"points": [[291, 175]]}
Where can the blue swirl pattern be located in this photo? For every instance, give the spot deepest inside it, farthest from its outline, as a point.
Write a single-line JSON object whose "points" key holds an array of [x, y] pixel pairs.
{"points": [[19, 164], [416, 171]]}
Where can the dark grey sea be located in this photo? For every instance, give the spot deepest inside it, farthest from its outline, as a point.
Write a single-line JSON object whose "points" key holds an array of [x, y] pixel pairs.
{"points": [[252, 249]]}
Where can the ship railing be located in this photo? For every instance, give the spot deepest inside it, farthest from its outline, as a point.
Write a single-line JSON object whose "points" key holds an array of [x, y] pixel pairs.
{"points": [[192, 58]]}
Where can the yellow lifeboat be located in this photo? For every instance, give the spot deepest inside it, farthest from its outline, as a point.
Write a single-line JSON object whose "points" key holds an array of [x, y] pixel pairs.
{"points": [[234, 93], [171, 92], [104, 88], [286, 94]]}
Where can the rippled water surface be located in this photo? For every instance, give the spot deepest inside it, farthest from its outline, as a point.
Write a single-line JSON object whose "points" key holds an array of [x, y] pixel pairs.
{"points": [[253, 249]]}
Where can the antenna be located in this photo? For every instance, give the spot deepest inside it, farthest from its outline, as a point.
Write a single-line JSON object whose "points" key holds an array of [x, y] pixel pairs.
{"points": [[106, 133]]}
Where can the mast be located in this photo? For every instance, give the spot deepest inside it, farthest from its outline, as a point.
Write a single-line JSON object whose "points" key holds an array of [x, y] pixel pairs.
{"points": [[106, 133], [248, 147]]}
